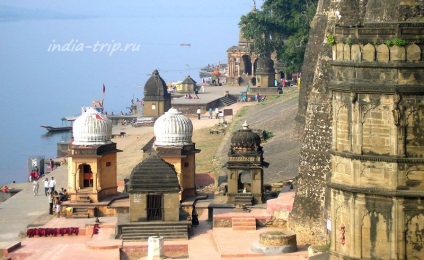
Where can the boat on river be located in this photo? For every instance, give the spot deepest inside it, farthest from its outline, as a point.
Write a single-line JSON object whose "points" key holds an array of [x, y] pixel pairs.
{"points": [[57, 128]]}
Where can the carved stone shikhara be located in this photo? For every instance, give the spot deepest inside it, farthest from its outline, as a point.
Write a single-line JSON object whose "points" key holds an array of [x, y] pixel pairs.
{"points": [[361, 107]]}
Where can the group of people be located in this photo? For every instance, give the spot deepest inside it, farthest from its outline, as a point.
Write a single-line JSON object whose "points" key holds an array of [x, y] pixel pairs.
{"points": [[189, 96]]}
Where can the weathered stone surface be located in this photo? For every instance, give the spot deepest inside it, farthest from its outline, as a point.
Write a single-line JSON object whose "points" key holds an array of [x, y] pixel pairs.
{"points": [[361, 161]]}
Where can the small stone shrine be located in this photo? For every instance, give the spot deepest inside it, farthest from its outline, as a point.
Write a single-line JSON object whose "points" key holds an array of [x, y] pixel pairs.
{"points": [[245, 168], [153, 189], [188, 85], [92, 161], [157, 100], [265, 73]]}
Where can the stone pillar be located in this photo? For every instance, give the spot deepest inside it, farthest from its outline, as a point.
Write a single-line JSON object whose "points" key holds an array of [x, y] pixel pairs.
{"points": [[357, 245], [72, 181], [155, 249]]}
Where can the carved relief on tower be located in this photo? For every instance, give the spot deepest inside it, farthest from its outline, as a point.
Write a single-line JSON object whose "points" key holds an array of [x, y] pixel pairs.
{"points": [[341, 126], [415, 178], [415, 237], [383, 53], [369, 52], [413, 53], [340, 51], [342, 171], [346, 52], [356, 52], [342, 222], [377, 125], [414, 114], [397, 53]]}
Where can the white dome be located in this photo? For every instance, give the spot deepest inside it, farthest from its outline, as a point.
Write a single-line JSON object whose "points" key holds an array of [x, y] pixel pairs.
{"points": [[92, 128], [173, 129]]}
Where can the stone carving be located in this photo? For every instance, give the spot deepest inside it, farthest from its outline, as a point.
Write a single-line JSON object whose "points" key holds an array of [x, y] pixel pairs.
{"points": [[353, 97], [342, 237]]}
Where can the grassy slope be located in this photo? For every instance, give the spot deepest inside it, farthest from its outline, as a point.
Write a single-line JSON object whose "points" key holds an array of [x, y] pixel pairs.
{"points": [[275, 115]]}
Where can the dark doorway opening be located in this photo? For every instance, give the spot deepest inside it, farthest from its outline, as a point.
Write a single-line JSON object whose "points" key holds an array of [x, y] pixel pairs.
{"points": [[154, 206]]}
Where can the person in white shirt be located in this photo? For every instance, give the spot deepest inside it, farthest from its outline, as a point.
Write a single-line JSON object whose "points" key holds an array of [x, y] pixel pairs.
{"points": [[198, 113], [46, 186], [52, 184]]}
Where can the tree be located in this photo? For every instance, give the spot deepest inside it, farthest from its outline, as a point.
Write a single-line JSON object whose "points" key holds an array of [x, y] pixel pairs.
{"points": [[281, 26]]}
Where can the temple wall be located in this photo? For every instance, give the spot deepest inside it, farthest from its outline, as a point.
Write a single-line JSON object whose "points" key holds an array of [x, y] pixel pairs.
{"points": [[360, 107]]}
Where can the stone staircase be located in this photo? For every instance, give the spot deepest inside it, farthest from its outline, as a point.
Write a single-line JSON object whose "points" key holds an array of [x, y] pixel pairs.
{"points": [[142, 231], [228, 100], [82, 208], [244, 199], [243, 223]]}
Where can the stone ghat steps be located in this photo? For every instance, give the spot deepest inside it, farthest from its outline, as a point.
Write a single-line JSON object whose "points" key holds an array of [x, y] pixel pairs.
{"points": [[243, 223], [143, 232], [228, 100], [80, 212], [244, 199]]}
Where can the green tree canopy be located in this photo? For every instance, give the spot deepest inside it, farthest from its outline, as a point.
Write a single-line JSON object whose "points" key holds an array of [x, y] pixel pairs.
{"points": [[281, 26]]}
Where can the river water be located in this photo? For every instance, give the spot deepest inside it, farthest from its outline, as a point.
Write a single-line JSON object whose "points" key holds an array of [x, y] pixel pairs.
{"points": [[51, 67]]}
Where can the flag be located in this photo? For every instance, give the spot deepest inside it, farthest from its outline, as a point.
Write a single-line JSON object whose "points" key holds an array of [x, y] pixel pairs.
{"points": [[99, 117], [104, 88]]}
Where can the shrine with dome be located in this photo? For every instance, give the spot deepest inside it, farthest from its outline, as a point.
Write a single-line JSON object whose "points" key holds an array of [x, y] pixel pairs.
{"points": [[245, 168], [157, 100], [92, 163], [160, 183]]}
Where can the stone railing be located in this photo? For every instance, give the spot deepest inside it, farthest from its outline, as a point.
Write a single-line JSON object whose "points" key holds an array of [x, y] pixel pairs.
{"points": [[380, 53], [381, 42]]}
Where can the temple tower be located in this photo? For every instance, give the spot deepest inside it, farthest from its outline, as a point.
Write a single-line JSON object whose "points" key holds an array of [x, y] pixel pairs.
{"points": [[245, 168], [157, 100], [173, 132], [377, 185], [92, 164], [361, 168]]}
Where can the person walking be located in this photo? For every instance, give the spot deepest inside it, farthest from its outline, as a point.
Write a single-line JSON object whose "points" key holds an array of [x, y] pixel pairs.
{"points": [[46, 186], [210, 113], [52, 184], [216, 113], [198, 113], [51, 165], [35, 187]]}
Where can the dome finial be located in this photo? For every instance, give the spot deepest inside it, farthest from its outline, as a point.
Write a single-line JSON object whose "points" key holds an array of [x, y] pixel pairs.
{"points": [[245, 125]]}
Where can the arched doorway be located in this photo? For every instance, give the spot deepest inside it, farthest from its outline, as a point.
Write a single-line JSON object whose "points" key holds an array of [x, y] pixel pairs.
{"points": [[247, 65], [245, 182], [86, 175]]}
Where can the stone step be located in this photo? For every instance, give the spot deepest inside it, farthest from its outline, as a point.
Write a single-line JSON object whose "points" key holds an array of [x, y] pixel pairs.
{"points": [[244, 228], [145, 237], [243, 223]]}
